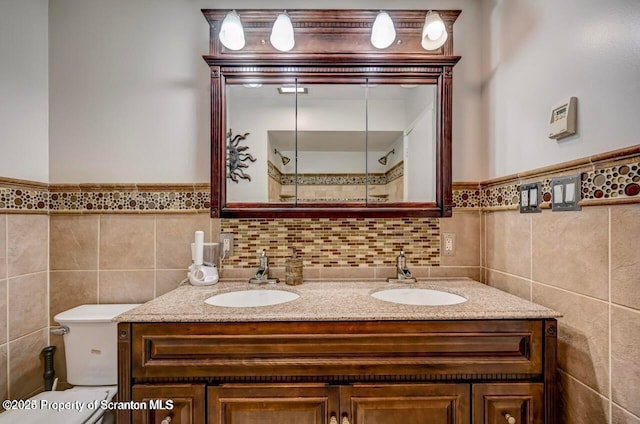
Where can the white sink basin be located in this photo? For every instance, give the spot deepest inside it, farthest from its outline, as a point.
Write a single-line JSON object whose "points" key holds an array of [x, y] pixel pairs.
{"points": [[415, 296], [251, 298]]}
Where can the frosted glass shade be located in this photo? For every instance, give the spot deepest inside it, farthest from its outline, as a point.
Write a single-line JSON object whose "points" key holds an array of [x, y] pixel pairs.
{"points": [[434, 33], [383, 32], [282, 37], [231, 32]]}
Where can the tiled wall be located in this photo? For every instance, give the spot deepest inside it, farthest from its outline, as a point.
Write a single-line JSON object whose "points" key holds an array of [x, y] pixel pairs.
{"points": [[24, 322], [586, 265], [118, 258]]}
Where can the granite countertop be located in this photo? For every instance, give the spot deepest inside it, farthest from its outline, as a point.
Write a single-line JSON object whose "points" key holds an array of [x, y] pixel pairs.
{"points": [[337, 301]]}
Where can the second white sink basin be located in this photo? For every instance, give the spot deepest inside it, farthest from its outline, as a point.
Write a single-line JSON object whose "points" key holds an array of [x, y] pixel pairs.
{"points": [[251, 298], [417, 296]]}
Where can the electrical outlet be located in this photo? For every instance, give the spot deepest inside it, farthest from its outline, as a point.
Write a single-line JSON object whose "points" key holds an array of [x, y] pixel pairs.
{"points": [[226, 243], [448, 244]]}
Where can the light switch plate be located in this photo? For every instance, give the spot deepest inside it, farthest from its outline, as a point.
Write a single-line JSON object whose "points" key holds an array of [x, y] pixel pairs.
{"points": [[530, 197], [566, 192]]}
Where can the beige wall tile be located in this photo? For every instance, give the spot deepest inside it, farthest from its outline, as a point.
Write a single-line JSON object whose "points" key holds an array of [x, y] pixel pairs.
{"points": [[3, 312], [347, 273], [4, 381], [570, 250], [167, 280], [625, 255], [455, 272], [483, 239], [625, 358], [579, 405], [27, 304], [508, 242], [621, 416], [514, 285], [238, 273], [127, 241], [174, 235], [125, 286], [215, 229], [3, 247], [68, 289], [74, 242], [466, 227], [27, 244], [25, 368], [583, 335]]}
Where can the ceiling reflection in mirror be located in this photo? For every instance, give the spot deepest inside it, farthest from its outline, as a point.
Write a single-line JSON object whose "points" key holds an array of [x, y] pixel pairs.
{"points": [[331, 143]]}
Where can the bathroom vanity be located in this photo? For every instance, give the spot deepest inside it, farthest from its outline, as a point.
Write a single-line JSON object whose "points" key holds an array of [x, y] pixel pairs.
{"points": [[336, 354]]}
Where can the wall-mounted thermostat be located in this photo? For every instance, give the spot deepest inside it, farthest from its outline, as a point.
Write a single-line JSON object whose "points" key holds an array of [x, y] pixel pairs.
{"points": [[563, 119]]}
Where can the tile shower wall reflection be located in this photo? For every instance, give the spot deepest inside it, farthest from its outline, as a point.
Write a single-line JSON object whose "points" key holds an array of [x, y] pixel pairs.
{"points": [[23, 302]]}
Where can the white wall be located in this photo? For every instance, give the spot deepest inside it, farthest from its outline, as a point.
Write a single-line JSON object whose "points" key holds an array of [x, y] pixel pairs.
{"points": [[130, 91], [24, 90], [542, 51]]}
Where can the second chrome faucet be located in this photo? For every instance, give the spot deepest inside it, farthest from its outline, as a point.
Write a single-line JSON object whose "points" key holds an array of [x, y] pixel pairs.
{"points": [[262, 275]]}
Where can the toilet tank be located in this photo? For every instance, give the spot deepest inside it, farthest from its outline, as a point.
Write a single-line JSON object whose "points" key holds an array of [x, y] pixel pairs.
{"points": [[91, 343]]}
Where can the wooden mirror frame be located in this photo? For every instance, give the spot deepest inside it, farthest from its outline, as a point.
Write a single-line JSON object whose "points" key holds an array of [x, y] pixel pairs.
{"points": [[332, 46]]}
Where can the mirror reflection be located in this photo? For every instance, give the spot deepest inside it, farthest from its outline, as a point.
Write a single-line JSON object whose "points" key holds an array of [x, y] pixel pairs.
{"points": [[332, 143]]}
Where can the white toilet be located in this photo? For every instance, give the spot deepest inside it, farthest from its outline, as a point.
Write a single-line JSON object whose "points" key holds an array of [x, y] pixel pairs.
{"points": [[92, 367]]}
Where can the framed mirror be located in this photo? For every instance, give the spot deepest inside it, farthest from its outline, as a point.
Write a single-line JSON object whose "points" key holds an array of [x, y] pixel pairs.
{"points": [[353, 137]]}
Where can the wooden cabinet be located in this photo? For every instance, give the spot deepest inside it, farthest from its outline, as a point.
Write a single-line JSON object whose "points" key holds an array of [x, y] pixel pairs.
{"points": [[169, 404], [339, 404], [272, 404], [371, 372], [406, 404], [509, 403]]}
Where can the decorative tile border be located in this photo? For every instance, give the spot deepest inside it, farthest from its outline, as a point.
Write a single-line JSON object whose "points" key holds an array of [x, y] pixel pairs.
{"points": [[335, 179], [23, 196], [335, 242], [608, 178], [129, 198]]}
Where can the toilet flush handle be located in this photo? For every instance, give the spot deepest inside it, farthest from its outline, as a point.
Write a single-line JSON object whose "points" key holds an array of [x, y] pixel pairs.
{"points": [[60, 331]]}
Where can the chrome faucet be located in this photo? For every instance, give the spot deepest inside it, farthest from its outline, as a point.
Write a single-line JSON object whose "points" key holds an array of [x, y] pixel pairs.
{"points": [[262, 275], [403, 274]]}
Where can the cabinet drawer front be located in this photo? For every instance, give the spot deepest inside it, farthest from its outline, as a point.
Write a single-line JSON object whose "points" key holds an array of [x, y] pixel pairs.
{"points": [[180, 403], [277, 404], [407, 404], [517, 403], [481, 348]]}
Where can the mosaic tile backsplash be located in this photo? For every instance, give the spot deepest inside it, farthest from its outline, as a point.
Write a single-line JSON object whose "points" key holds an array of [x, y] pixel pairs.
{"points": [[353, 242]]}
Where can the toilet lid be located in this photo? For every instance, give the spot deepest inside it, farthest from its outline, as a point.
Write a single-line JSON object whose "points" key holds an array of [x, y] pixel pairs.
{"points": [[64, 407]]}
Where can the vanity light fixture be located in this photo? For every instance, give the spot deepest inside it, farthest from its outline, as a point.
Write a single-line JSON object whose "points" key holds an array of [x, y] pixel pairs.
{"points": [[282, 37], [258, 85], [434, 32], [285, 160], [231, 31], [383, 159], [383, 32], [291, 89]]}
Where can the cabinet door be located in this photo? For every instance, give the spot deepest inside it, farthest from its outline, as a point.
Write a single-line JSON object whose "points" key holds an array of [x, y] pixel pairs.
{"points": [[174, 404], [273, 404], [508, 403], [405, 403]]}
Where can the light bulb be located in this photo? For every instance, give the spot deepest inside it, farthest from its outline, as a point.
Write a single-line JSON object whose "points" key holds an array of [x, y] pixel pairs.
{"points": [[383, 32], [231, 32], [282, 37], [434, 32]]}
